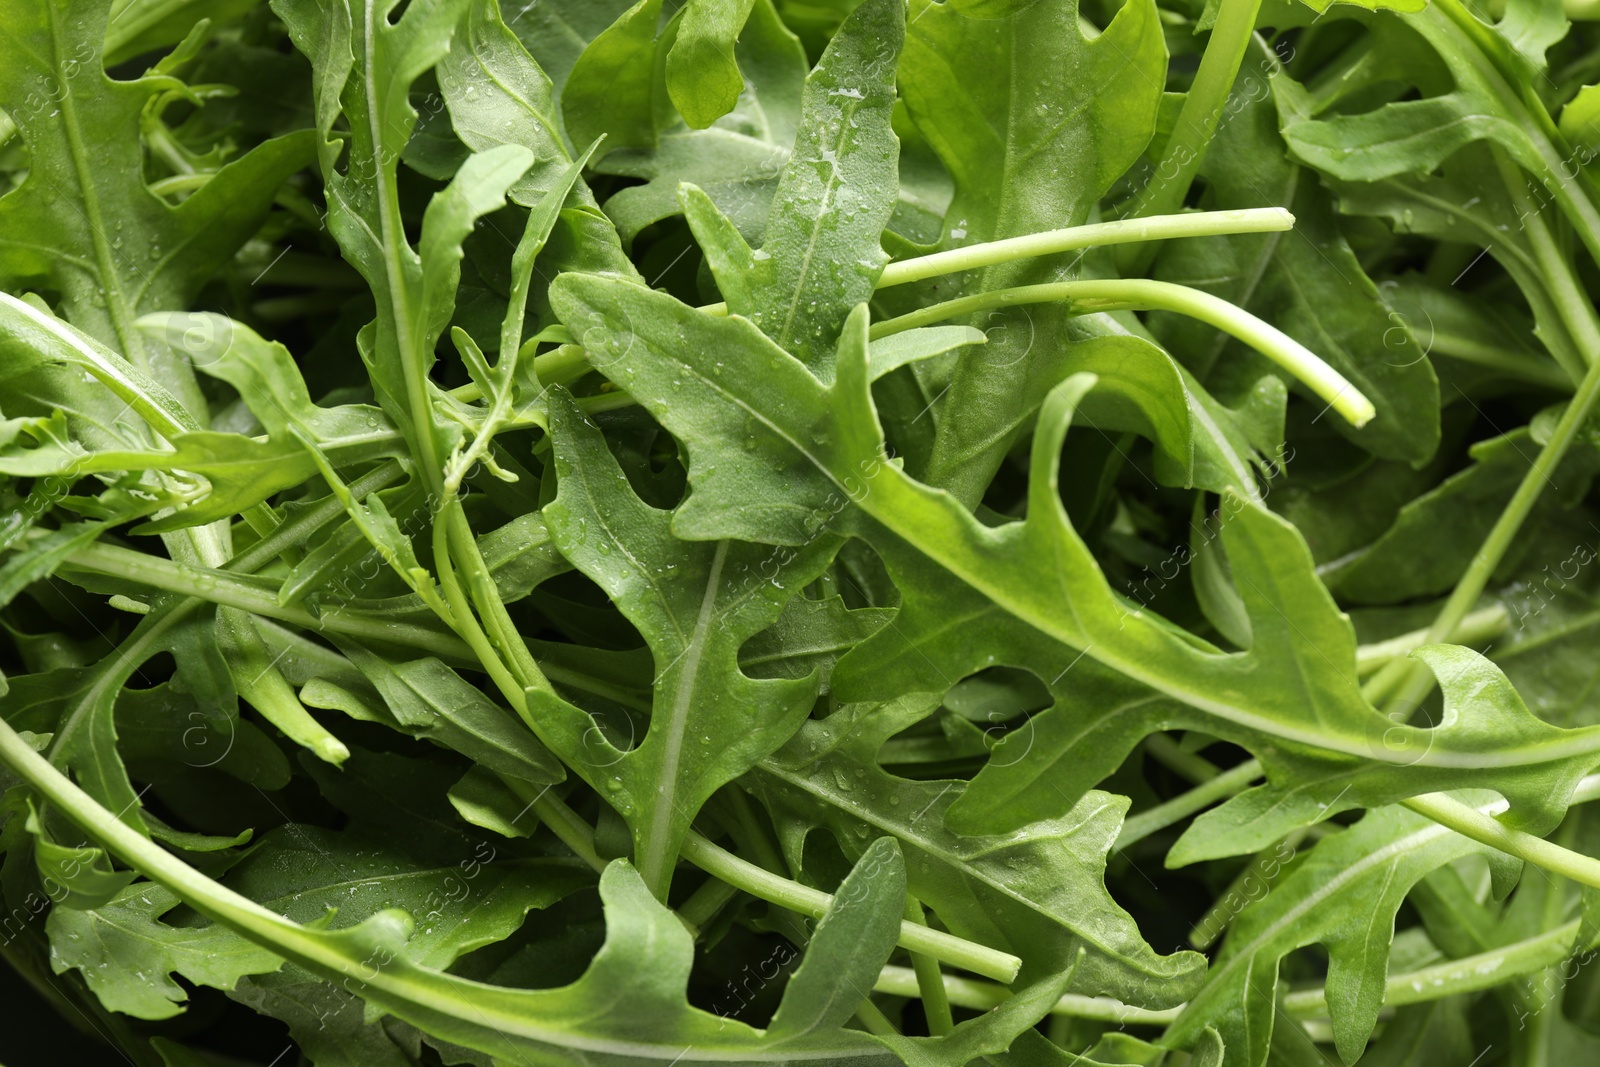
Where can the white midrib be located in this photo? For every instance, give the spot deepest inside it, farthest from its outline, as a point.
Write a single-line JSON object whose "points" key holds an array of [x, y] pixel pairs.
{"points": [[653, 858]]}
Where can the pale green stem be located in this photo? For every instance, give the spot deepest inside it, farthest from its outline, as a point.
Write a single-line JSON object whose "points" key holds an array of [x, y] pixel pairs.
{"points": [[293, 532], [1468, 974], [1479, 626], [1202, 107], [1179, 760], [230, 590], [180, 183], [567, 825], [1090, 235], [1576, 310], [930, 980], [466, 625], [874, 1020], [559, 367], [1575, 193], [981, 996], [411, 992], [717, 861], [1152, 228], [206, 896], [1226, 784], [1485, 828], [1534, 370], [1465, 975], [704, 904], [1411, 681], [501, 630], [1143, 294]]}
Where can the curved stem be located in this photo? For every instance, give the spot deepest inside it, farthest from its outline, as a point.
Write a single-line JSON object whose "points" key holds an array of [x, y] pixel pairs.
{"points": [[514, 667], [720, 863], [1409, 680], [1179, 760], [1143, 294], [466, 625], [1090, 235], [1479, 626], [981, 996], [1151, 228], [485, 595], [1566, 292], [1575, 193], [566, 825]]}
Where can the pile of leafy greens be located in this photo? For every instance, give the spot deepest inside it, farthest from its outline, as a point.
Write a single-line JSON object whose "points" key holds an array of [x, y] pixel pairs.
{"points": [[799, 531]]}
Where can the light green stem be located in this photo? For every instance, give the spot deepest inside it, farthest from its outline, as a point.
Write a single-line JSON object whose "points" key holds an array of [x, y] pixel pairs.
{"points": [[1047, 242], [485, 595], [1226, 784], [704, 904], [1575, 308], [1465, 975], [930, 980], [1143, 294], [465, 623], [1411, 681], [1479, 626], [231, 590], [1202, 107], [1485, 828], [1179, 760], [874, 1020], [716, 861], [1483, 352], [1575, 193], [981, 996], [568, 827], [1152, 228]]}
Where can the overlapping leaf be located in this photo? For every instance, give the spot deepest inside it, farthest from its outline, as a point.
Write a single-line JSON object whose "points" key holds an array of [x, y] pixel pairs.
{"points": [[696, 604], [1296, 683]]}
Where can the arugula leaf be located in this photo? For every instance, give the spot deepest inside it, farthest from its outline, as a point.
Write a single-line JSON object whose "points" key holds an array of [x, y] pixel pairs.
{"points": [[127, 250], [1344, 894], [1039, 573], [738, 158], [114, 944], [696, 604], [612, 89], [829, 775], [885, 600], [702, 74]]}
